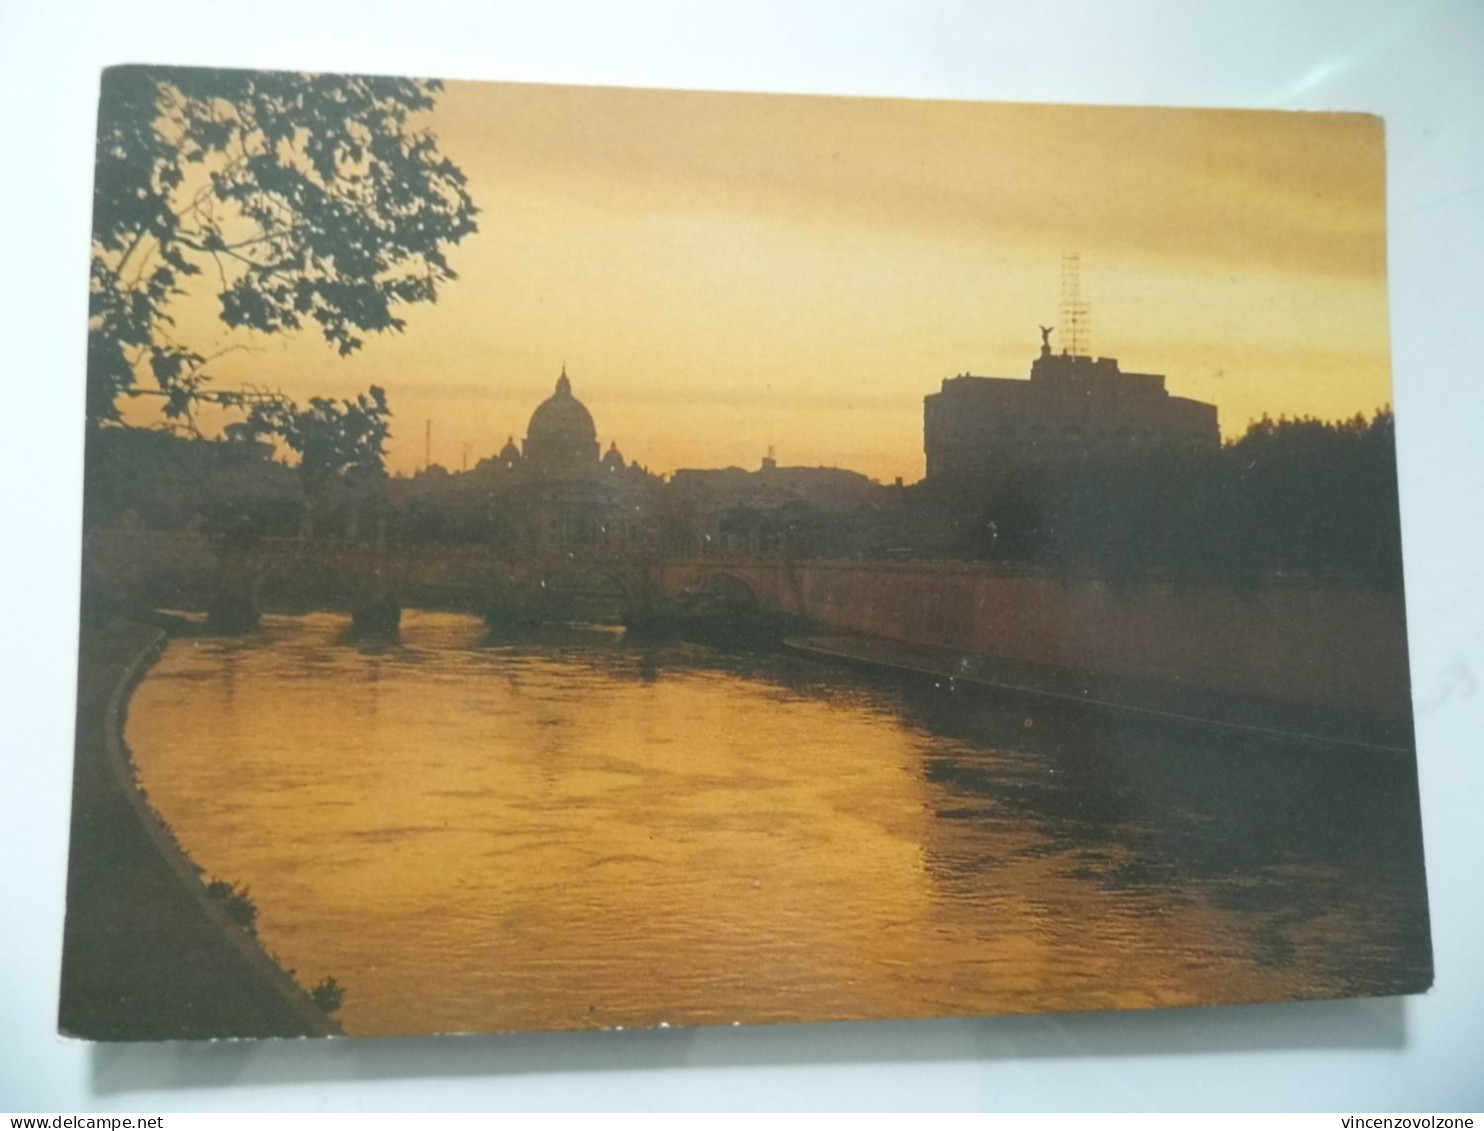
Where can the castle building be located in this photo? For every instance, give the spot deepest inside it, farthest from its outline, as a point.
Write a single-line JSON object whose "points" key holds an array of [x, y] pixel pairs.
{"points": [[1073, 409]]}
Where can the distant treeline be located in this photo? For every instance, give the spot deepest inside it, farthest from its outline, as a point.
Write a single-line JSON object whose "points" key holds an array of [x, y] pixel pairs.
{"points": [[159, 480], [1290, 497]]}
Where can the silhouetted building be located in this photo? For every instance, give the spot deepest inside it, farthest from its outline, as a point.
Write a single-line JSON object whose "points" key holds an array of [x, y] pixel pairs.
{"points": [[1072, 409], [561, 440], [772, 486], [728, 510], [509, 458], [612, 462], [554, 491]]}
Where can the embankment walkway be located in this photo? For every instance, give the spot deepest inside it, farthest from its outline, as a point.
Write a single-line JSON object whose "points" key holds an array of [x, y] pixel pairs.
{"points": [[147, 955], [1147, 699]]}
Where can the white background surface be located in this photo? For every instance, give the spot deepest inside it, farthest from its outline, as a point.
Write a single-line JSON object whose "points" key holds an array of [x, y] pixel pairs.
{"points": [[1421, 65]]}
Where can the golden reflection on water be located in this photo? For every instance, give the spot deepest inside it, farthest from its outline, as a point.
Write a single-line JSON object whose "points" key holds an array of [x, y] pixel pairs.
{"points": [[471, 836]]}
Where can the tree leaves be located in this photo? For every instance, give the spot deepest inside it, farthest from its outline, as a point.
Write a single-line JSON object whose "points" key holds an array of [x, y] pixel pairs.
{"points": [[307, 198], [1299, 498], [342, 441]]}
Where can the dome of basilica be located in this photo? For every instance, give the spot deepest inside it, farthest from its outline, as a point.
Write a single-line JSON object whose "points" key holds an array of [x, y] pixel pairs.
{"points": [[561, 438], [562, 415]]}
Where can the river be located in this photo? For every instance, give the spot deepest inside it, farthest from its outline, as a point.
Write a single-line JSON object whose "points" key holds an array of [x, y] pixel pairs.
{"points": [[571, 832]]}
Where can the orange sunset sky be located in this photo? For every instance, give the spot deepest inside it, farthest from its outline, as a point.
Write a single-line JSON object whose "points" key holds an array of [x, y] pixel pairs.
{"points": [[725, 272]]}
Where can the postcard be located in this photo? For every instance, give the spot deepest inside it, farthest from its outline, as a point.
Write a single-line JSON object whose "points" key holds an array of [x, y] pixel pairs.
{"points": [[564, 558]]}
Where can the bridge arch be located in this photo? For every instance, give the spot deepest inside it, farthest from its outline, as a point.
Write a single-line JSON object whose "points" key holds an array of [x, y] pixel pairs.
{"points": [[719, 590], [578, 591]]}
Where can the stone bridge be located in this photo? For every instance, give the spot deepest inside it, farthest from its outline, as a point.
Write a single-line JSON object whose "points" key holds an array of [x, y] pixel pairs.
{"points": [[1316, 644], [238, 579]]}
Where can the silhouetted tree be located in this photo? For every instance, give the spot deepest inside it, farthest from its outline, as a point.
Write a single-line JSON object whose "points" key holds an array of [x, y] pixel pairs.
{"points": [[341, 447], [1316, 497], [297, 198], [1298, 497]]}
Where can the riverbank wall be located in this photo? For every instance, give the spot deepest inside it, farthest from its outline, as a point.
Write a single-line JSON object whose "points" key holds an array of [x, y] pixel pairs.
{"points": [[1325, 645], [147, 953], [1329, 647]]}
